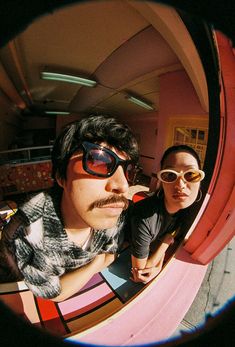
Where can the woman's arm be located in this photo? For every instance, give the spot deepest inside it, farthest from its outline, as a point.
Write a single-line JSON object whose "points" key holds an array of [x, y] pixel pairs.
{"points": [[137, 264], [143, 270], [145, 274], [157, 255]]}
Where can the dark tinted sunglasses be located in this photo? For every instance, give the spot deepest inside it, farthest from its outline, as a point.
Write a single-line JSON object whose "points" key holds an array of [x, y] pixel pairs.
{"points": [[102, 162], [191, 176]]}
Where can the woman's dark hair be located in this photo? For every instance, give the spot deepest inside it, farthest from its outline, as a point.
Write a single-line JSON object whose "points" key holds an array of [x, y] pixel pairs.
{"points": [[180, 148], [95, 129]]}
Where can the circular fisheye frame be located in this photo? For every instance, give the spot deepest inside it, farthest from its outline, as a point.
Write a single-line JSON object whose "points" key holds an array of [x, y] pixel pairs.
{"points": [[16, 331]]}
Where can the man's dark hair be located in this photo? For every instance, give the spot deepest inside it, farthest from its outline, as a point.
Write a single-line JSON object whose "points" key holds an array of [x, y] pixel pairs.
{"points": [[180, 148], [95, 129]]}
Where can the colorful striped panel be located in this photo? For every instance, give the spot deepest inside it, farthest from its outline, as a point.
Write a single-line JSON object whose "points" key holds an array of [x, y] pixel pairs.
{"points": [[95, 317], [118, 277], [87, 299], [50, 316], [95, 280], [105, 294]]}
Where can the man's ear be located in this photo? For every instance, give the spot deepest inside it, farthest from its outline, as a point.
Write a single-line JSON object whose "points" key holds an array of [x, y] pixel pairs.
{"points": [[60, 181]]}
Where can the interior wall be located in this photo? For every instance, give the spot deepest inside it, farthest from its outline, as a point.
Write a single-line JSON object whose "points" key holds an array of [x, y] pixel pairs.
{"points": [[62, 120], [145, 129], [10, 123], [39, 123], [178, 100]]}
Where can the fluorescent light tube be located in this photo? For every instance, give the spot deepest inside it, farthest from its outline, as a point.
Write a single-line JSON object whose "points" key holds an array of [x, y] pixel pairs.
{"points": [[58, 112], [55, 76], [140, 102]]}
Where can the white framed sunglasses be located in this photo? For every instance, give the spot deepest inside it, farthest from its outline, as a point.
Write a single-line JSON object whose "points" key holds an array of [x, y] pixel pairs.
{"points": [[190, 176]]}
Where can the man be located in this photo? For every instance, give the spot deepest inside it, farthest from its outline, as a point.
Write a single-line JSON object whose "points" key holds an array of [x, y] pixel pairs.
{"points": [[59, 239]]}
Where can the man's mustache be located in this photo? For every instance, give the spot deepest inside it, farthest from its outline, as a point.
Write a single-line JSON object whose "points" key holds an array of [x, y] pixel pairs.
{"points": [[113, 199]]}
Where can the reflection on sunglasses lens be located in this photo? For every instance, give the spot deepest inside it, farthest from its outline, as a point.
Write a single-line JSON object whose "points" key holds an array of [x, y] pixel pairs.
{"points": [[168, 176], [100, 162], [192, 176]]}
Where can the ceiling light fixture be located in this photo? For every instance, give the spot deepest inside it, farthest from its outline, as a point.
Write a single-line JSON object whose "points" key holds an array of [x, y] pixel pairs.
{"points": [[140, 103], [55, 76], [57, 112]]}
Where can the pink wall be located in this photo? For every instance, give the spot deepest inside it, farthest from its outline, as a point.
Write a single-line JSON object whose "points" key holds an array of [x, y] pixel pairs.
{"points": [[177, 98], [145, 129], [178, 95]]}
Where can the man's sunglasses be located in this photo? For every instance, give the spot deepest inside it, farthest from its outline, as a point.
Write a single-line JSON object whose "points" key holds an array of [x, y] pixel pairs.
{"points": [[190, 176], [102, 162]]}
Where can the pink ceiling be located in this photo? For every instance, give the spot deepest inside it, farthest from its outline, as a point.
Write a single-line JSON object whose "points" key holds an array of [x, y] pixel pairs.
{"points": [[115, 42], [143, 53]]}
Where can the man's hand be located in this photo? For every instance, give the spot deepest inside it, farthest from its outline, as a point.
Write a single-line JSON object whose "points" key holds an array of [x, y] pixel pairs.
{"points": [[103, 260], [109, 258], [73, 281]]}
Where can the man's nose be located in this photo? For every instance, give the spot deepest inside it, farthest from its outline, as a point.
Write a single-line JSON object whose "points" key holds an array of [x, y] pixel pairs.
{"points": [[117, 183]]}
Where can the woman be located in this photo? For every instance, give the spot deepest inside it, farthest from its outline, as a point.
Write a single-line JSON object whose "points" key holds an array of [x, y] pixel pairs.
{"points": [[156, 219]]}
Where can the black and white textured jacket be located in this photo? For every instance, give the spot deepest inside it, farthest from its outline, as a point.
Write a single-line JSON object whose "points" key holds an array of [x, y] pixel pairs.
{"points": [[35, 247]]}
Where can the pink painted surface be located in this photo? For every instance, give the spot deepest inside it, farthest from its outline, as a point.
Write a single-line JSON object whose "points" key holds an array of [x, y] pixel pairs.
{"points": [[177, 88], [84, 299], [155, 315], [145, 129], [220, 235], [94, 281], [216, 227]]}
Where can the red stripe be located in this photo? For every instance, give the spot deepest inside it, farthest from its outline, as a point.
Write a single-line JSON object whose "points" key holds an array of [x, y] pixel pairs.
{"points": [[47, 309]]}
